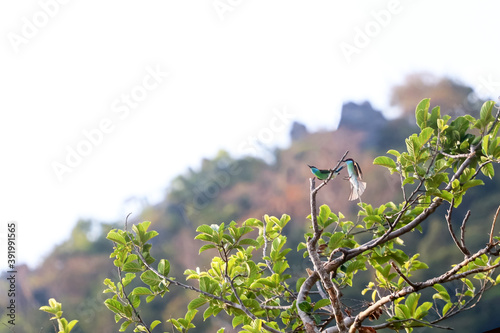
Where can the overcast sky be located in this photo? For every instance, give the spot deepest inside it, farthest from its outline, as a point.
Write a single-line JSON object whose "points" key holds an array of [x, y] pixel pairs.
{"points": [[104, 101]]}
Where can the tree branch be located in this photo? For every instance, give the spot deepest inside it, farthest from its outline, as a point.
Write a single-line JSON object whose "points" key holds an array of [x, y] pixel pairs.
{"points": [[245, 309], [320, 272], [404, 277], [185, 286], [461, 244], [130, 303], [493, 225], [318, 265]]}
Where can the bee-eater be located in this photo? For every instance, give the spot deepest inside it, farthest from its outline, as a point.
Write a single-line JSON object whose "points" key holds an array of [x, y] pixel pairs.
{"points": [[355, 176], [323, 174]]}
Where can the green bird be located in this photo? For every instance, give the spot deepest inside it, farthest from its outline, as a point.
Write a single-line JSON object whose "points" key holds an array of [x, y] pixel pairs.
{"points": [[323, 174]]}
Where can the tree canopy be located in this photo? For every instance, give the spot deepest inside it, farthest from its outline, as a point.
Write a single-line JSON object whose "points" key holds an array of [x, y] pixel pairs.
{"points": [[249, 276]]}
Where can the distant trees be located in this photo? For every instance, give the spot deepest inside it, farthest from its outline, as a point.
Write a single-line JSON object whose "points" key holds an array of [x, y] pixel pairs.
{"points": [[454, 97], [249, 276]]}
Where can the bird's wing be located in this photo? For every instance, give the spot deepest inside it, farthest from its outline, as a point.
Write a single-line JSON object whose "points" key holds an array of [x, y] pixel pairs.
{"points": [[357, 192], [358, 170]]}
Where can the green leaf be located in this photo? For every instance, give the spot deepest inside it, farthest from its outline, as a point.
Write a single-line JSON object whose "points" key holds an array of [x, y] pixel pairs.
{"points": [[324, 213], [446, 195], [150, 278], [402, 311], [205, 229], [141, 291], [114, 305], [425, 135], [393, 152], [206, 284], [71, 324], [132, 267], [485, 114], [385, 161], [300, 281], [488, 170], [410, 147], [435, 117], [207, 247], [196, 303], [116, 237], [442, 293], [238, 320], [154, 324], [447, 307], [321, 303], [412, 302], [206, 238], [486, 144], [164, 267], [335, 240], [422, 112], [305, 306], [150, 234], [472, 183], [249, 241], [409, 180]]}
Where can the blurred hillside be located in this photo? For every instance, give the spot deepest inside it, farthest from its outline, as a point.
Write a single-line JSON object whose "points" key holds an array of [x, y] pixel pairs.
{"points": [[225, 189]]}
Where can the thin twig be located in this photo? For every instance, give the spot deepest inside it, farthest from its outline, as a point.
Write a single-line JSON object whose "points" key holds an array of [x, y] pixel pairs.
{"points": [[404, 277], [461, 244], [493, 225], [268, 263], [130, 303], [185, 286], [479, 169], [245, 309], [264, 250], [462, 233], [126, 221]]}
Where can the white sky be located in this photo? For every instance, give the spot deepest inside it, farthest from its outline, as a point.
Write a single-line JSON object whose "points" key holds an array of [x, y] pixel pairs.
{"points": [[68, 66]]}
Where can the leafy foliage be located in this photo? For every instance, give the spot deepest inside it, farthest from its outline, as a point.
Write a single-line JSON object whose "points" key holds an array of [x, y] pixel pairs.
{"points": [[55, 308], [249, 276]]}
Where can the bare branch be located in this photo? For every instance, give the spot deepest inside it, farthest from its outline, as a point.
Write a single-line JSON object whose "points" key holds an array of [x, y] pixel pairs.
{"points": [[454, 156]]}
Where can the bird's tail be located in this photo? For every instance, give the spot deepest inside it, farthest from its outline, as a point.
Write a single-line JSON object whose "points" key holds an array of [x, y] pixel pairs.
{"points": [[356, 193]]}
